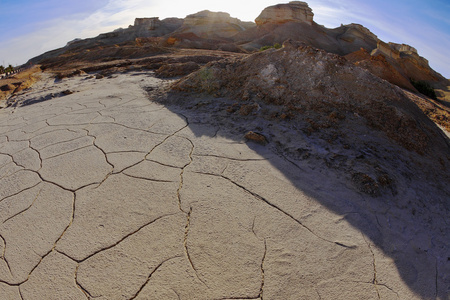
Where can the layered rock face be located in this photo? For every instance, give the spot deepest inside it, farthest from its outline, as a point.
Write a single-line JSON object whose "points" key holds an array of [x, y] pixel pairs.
{"points": [[151, 22], [208, 17], [403, 48], [295, 11], [389, 60], [208, 24]]}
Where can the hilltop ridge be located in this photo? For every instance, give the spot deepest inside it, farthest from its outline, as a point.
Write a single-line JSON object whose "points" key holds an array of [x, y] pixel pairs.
{"points": [[396, 63]]}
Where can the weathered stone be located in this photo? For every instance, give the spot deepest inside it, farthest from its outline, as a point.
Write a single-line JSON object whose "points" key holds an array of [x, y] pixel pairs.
{"points": [[207, 24], [295, 11], [256, 137], [150, 23]]}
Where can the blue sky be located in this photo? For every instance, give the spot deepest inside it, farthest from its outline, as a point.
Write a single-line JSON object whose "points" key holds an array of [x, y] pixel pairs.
{"points": [[31, 27]]}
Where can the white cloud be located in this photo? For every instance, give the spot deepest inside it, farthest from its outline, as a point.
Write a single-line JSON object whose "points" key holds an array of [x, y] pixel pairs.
{"points": [[57, 32]]}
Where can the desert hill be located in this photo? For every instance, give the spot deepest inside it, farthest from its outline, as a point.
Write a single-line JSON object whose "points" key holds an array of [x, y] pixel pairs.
{"points": [[397, 63], [152, 43], [328, 98]]}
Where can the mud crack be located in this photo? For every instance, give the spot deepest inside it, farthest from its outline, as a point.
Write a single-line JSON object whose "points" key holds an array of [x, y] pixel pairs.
{"points": [[185, 245], [374, 280], [150, 276], [182, 177], [261, 290], [3, 257], [279, 209], [118, 242], [80, 287], [24, 210]]}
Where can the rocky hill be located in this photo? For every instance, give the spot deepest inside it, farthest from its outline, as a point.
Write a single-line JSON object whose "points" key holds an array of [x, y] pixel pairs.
{"points": [[150, 39], [325, 96], [396, 63]]}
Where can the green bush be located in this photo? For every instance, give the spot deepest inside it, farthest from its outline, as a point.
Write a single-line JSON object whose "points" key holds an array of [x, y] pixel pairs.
{"points": [[424, 88], [276, 46]]}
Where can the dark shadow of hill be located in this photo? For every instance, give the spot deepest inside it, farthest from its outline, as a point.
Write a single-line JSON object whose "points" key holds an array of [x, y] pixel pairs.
{"points": [[408, 222]]}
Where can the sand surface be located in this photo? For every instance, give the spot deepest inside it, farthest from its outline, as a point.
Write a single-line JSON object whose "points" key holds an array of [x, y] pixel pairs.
{"points": [[105, 194]]}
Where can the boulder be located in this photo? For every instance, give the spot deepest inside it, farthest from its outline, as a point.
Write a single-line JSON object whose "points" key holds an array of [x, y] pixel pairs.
{"points": [[294, 11], [256, 137]]}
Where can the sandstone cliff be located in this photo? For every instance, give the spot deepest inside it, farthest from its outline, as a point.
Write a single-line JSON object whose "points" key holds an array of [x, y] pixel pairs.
{"points": [[399, 64], [295, 11], [207, 30], [295, 21]]}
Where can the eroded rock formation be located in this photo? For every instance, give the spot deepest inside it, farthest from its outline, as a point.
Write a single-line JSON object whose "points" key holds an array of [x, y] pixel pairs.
{"points": [[397, 63], [295, 11]]}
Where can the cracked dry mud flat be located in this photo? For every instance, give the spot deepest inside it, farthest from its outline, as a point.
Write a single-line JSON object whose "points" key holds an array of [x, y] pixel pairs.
{"points": [[107, 195]]}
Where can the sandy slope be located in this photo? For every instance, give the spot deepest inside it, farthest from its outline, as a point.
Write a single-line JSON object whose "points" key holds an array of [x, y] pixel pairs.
{"points": [[107, 195]]}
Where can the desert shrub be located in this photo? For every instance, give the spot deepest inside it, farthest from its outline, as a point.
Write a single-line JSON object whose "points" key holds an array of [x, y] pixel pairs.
{"points": [[424, 88], [9, 69], [276, 46], [207, 79]]}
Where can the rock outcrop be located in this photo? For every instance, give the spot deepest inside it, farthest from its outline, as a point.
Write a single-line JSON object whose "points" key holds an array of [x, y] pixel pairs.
{"points": [[208, 24], [208, 30], [209, 18], [314, 80], [381, 67], [295, 11], [152, 23], [399, 64], [342, 40], [353, 36]]}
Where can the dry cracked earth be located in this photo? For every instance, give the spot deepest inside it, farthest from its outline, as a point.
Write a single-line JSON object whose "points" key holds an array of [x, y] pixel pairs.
{"points": [[107, 195]]}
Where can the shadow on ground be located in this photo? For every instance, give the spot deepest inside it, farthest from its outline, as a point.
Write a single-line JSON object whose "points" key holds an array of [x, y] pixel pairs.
{"points": [[407, 219]]}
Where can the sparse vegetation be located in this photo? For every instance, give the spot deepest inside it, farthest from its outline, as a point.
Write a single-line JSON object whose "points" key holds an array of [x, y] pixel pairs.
{"points": [[206, 77], [424, 88], [8, 69], [276, 46]]}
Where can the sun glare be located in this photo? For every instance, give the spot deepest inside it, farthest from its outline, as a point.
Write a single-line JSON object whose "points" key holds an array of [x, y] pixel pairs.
{"points": [[245, 11]]}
